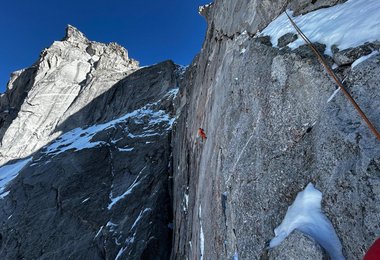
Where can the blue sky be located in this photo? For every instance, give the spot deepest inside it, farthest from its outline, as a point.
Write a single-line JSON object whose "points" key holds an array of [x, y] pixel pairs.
{"points": [[152, 31]]}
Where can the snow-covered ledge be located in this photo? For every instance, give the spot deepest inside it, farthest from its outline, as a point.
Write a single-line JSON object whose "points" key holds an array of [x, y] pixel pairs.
{"points": [[305, 215], [347, 25]]}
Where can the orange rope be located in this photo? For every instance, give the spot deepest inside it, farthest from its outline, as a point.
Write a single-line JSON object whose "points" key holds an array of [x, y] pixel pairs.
{"points": [[335, 77]]}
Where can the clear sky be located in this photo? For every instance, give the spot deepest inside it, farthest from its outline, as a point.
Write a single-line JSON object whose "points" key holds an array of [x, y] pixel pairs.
{"points": [[151, 30]]}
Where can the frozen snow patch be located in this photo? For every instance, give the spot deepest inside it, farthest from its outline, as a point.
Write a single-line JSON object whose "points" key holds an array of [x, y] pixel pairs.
{"points": [[347, 25], [172, 93], [333, 95], [361, 59], [85, 200], [140, 216], [127, 149], [78, 138], [305, 215], [8, 173], [129, 191], [201, 235], [111, 226]]}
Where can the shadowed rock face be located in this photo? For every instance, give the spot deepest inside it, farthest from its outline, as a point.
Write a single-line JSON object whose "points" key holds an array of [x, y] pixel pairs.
{"points": [[270, 131], [98, 188]]}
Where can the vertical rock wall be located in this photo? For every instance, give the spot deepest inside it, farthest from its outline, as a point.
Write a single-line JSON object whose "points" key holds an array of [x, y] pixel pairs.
{"points": [[270, 131]]}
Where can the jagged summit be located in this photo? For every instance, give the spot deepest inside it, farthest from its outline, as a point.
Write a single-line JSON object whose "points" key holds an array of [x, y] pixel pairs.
{"points": [[74, 35], [67, 77]]}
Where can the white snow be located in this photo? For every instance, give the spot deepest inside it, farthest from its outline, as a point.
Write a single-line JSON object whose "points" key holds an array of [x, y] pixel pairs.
{"points": [[111, 226], [121, 251], [333, 95], [202, 7], [140, 216], [201, 235], [347, 25], [145, 134], [305, 215], [100, 230], [128, 241], [78, 139], [186, 200], [134, 184], [173, 92], [85, 200], [361, 59], [8, 173], [126, 149]]}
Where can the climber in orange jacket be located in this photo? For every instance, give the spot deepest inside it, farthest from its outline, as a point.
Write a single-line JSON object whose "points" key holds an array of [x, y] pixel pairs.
{"points": [[202, 133]]}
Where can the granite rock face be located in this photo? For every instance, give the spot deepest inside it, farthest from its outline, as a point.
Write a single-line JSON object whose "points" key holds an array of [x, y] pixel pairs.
{"points": [[270, 131], [91, 134], [67, 77], [297, 246]]}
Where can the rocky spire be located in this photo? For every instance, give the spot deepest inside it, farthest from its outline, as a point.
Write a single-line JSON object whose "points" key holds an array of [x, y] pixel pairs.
{"points": [[74, 35]]}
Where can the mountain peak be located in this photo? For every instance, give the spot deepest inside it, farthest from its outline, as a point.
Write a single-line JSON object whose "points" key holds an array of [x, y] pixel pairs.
{"points": [[74, 35]]}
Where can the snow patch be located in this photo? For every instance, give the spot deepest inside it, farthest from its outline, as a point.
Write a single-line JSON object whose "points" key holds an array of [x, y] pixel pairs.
{"points": [[361, 59], [126, 149], [140, 216], [111, 226], [347, 25], [173, 93], [78, 138], [333, 95], [201, 235], [100, 230], [121, 251], [305, 215], [134, 184], [128, 241], [85, 200], [186, 202], [203, 7], [8, 173]]}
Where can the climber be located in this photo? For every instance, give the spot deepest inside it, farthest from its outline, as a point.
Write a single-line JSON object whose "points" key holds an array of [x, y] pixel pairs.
{"points": [[202, 133], [373, 252]]}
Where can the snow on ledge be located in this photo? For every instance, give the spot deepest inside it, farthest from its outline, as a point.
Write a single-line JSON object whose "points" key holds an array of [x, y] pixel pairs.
{"points": [[361, 59], [8, 173], [78, 138], [305, 215], [347, 25]]}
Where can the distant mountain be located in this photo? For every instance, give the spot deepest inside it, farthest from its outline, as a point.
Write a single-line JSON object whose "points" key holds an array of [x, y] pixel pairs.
{"points": [[86, 135]]}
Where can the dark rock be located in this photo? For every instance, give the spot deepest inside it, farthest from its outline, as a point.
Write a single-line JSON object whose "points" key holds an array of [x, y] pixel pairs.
{"points": [[348, 56], [264, 40], [305, 52], [286, 39]]}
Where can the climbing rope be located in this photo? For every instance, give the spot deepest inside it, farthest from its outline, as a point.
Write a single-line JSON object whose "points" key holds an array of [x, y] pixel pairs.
{"points": [[335, 77]]}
